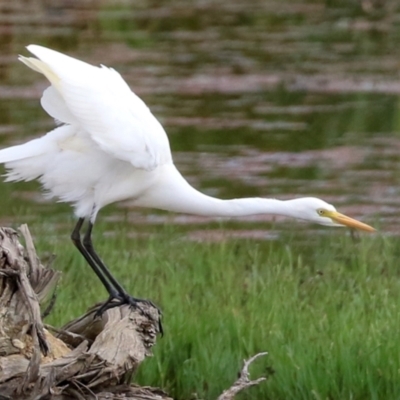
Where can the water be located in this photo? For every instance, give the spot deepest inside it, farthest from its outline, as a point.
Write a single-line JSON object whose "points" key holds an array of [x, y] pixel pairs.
{"points": [[275, 99]]}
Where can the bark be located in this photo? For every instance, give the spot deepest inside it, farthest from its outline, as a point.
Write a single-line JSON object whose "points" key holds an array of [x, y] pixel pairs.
{"points": [[89, 358]]}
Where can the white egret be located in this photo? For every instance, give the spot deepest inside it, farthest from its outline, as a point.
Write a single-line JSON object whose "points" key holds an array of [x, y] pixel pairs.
{"points": [[109, 147]]}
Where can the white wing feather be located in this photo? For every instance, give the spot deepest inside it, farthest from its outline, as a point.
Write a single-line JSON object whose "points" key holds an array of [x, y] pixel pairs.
{"points": [[100, 101], [55, 106]]}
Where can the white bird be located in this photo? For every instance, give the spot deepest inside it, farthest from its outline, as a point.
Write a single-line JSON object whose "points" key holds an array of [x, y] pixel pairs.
{"points": [[109, 147]]}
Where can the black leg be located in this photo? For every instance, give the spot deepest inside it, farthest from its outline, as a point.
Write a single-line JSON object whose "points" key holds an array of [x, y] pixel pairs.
{"points": [[121, 296], [88, 245], [76, 240]]}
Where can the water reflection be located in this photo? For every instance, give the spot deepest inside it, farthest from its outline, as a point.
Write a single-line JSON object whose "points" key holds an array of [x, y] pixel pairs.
{"points": [[268, 99]]}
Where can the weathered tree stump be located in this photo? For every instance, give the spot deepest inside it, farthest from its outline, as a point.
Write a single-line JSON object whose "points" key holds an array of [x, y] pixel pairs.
{"points": [[89, 358]]}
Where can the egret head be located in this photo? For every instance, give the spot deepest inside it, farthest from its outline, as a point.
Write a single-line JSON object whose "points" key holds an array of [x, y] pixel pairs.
{"points": [[320, 212]]}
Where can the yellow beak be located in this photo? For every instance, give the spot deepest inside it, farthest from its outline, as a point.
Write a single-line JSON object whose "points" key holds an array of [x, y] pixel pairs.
{"points": [[350, 222]]}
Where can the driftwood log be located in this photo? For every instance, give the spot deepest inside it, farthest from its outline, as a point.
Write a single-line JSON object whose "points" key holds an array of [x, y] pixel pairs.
{"points": [[89, 358]]}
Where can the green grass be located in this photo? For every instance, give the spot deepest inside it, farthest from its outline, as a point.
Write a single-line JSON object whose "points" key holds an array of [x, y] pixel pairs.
{"points": [[324, 307]]}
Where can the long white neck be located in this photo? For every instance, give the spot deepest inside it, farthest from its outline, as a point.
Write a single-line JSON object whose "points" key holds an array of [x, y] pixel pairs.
{"points": [[173, 193]]}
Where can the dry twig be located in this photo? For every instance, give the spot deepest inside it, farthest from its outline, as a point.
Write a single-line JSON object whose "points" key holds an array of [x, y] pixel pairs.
{"points": [[243, 381]]}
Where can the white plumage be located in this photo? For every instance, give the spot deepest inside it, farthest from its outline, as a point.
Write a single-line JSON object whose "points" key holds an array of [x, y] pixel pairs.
{"points": [[109, 133], [109, 147]]}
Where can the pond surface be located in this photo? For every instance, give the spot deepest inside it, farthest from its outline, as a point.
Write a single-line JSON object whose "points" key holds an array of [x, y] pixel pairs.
{"points": [[262, 98]]}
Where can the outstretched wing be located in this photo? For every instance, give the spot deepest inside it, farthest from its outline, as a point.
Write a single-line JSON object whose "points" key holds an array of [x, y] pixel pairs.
{"points": [[102, 104]]}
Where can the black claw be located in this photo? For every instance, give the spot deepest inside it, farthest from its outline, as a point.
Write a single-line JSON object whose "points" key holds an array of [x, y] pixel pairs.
{"points": [[116, 300], [113, 301]]}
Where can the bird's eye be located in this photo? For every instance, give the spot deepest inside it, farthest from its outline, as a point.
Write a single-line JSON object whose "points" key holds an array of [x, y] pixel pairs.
{"points": [[320, 212]]}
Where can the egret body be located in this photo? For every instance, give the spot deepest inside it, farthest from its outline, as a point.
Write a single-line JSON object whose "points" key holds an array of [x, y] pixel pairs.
{"points": [[109, 147]]}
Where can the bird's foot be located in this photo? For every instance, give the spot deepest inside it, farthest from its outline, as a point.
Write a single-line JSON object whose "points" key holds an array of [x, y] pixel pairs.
{"points": [[118, 299]]}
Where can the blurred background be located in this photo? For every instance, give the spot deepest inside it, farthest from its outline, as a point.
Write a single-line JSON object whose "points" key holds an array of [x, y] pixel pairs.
{"points": [[280, 99], [261, 98]]}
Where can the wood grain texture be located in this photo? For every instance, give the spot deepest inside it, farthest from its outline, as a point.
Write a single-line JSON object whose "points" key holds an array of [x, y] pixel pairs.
{"points": [[90, 357]]}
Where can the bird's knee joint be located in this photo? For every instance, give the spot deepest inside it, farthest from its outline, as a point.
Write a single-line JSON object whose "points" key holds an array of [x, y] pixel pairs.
{"points": [[75, 237]]}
